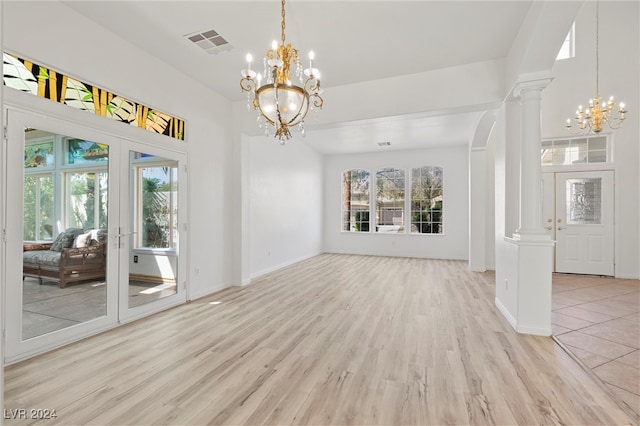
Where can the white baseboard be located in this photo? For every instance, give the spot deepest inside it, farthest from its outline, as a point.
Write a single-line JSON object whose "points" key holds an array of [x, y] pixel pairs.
{"points": [[627, 277], [505, 312], [281, 265], [523, 329], [534, 330], [208, 292]]}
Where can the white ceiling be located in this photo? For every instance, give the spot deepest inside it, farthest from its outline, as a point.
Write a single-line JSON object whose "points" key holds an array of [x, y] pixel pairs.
{"points": [[353, 41], [413, 131]]}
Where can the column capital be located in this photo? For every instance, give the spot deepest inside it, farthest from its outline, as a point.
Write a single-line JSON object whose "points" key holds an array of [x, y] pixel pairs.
{"points": [[535, 82]]}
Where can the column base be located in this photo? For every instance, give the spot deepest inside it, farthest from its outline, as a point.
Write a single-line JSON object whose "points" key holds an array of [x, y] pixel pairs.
{"points": [[525, 296], [531, 235]]}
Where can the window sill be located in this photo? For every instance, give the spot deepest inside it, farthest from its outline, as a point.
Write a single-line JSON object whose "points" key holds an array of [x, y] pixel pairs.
{"points": [[156, 251], [391, 233]]}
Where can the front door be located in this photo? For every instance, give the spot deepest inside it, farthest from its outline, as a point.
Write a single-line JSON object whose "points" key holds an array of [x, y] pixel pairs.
{"points": [[579, 216]]}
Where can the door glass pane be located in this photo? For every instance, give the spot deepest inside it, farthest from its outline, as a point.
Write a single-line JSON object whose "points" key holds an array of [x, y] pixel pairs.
{"points": [[153, 265], [584, 201], [87, 200], [64, 236]]}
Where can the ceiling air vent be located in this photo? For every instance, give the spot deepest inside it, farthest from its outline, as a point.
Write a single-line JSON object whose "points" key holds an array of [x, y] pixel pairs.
{"points": [[386, 143], [210, 41]]}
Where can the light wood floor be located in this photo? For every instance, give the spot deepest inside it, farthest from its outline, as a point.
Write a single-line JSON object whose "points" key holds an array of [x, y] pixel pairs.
{"points": [[337, 339]]}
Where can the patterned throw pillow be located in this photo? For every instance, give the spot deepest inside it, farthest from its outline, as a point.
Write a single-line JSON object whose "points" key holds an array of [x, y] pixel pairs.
{"points": [[82, 240], [65, 239]]}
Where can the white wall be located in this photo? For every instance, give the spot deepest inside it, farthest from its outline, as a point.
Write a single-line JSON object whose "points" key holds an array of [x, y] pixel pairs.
{"points": [[574, 84], [285, 184], [452, 244], [156, 265], [100, 57]]}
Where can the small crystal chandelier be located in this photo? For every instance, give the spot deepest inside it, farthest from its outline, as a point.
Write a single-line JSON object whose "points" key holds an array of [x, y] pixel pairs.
{"points": [[280, 102], [593, 118]]}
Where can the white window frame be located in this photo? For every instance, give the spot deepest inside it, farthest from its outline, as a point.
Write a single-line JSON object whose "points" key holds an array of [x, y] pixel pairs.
{"points": [[569, 45], [405, 226], [411, 202], [352, 211], [402, 228], [139, 165], [607, 151]]}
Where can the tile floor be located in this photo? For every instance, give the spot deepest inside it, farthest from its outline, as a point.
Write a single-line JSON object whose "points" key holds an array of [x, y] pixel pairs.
{"points": [[598, 320], [47, 307]]}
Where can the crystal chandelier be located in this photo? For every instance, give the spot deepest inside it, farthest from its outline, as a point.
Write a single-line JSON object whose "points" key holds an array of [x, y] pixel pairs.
{"points": [[598, 113], [280, 101]]}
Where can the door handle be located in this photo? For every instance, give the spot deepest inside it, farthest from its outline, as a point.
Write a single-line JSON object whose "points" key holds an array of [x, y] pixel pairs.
{"points": [[549, 228], [560, 228]]}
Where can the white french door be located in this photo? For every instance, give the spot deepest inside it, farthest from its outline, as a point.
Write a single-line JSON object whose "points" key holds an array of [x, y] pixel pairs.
{"points": [[127, 194], [579, 212], [151, 230]]}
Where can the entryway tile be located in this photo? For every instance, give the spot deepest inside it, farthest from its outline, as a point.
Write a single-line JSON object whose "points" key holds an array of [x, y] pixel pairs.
{"points": [[558, 330], [620, 331], [595, 344], [620, 375], [632, 359], [589, 359], [568, 322], [610, 307], [585, 314]]}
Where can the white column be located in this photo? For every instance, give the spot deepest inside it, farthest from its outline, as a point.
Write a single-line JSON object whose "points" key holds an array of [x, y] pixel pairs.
{"points": [[525, 296], [531, 222], [2, 221]]}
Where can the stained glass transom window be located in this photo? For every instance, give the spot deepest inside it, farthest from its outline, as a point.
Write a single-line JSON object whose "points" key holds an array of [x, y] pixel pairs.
{"points": [[26, 76]]}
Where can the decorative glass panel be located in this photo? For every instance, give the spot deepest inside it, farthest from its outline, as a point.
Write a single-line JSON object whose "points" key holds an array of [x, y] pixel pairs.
{"points": [[39, 155], [81, 152], [584, 201], [26, 76]]}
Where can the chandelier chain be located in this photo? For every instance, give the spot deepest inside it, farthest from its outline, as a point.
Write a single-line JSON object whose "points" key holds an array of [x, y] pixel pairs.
{"points": [[598, 113], [283, 25], [597, 47]]}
